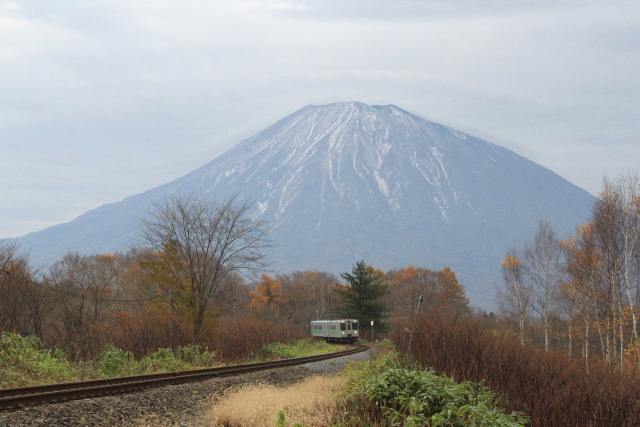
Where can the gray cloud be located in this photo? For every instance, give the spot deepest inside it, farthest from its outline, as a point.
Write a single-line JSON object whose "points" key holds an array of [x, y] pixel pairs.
{"points": [[105, 99]]}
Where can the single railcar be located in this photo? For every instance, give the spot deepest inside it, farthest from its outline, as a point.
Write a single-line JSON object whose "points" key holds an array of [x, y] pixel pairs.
{"points": [[340, 330]]}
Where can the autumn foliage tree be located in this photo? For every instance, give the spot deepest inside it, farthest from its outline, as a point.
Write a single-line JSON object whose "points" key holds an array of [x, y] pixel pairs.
{"points": [[590, 281], [159, 282], [442, 292], [581, 293], [268, 293]]}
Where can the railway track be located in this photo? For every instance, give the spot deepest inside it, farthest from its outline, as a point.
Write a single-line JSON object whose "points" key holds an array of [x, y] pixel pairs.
{"points": [[21, 396]]}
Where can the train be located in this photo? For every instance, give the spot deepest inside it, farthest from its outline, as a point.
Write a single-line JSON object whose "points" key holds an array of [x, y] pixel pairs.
{"points": [[339, 330]]}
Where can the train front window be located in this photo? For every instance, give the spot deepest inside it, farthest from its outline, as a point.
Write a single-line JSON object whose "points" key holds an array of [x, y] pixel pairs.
{"points": [[343, 326], [354, 326]]}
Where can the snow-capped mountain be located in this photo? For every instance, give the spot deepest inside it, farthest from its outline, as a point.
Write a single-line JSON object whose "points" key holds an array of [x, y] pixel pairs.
{"points": [[348, 181]]}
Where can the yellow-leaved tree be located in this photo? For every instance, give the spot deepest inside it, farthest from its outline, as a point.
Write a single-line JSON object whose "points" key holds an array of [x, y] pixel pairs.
{"points": [[268, 293]]}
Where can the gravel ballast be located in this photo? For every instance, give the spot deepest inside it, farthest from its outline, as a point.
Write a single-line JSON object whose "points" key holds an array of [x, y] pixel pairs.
{"points": [[174, 405]]}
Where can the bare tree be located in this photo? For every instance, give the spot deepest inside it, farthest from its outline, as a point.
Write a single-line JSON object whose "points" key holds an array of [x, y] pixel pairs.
{"points": [[200, 243], [543, 264], [14, 276], [515, 294], [623, 197], [616, 220], [609, 243], [310, 296], [25, 305], [84, 286]]}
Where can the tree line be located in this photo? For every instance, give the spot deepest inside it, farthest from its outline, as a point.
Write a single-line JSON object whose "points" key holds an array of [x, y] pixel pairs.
{"points": [[581, 294], [197, 275]]}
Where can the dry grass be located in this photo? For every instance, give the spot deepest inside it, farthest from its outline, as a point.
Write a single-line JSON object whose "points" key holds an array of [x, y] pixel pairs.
{"points": [[311, 402]]}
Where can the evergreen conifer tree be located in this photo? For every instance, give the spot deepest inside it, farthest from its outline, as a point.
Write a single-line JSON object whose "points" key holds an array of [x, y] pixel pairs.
{"points": [[361, 297]]}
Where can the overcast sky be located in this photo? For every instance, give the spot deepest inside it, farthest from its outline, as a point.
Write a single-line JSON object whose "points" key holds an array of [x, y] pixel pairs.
{"points": [[103, 99]]}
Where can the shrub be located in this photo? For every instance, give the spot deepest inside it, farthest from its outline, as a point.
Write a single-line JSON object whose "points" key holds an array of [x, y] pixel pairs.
{"points": [[246, 338], [23, 361], [549, 387], [195, 355], [411, 397], [389, 393], [162, 360], [113, 362]]}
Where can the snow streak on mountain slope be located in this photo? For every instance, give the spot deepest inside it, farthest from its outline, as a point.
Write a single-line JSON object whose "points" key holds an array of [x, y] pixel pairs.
{"points": [[348, 181], [346, 152]]}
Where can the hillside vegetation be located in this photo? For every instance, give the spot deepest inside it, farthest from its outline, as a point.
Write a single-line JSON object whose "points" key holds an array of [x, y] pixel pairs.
{"points": [[393, 393], [548, 387], [387, 392], [23, 360]]}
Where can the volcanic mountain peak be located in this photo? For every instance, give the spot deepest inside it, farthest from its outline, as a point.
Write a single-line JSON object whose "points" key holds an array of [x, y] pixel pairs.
{"points": [[384, 151], [348, 181]]}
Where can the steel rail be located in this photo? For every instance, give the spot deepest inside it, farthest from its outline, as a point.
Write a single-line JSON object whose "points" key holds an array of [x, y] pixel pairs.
{"points": [[12, 397]]}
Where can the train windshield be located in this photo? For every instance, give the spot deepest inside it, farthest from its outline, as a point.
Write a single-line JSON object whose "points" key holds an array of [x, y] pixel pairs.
{"points": [[354, 326], [343, 326]]}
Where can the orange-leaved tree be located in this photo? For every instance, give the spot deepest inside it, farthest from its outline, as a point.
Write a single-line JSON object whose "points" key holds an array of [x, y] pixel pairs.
{"points": [[267, 293], [441, 291]]}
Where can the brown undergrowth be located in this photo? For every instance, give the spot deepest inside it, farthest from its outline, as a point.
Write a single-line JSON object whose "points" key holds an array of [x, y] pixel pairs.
{"points": [[241, 340], [550, 388]]}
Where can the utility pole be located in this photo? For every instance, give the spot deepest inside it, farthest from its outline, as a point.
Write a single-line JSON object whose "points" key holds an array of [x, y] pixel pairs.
{"points": [[371, 347], [171, 318]]}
